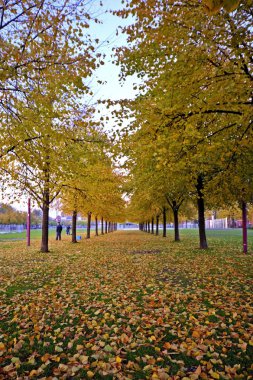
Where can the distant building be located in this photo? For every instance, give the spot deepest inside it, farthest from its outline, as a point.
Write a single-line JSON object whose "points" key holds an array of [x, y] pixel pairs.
{"points": [[128, 226]]}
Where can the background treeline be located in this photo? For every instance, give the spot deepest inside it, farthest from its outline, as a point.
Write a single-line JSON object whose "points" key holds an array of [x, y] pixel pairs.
{"points": [[9, 215]]}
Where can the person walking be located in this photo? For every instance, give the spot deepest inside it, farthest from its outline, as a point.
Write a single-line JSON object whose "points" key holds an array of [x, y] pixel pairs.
{"points": [[68, 230], [58, 231]]}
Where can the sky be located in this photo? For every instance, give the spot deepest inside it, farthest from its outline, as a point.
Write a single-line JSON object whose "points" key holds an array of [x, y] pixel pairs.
{"points": [[109, 72]]}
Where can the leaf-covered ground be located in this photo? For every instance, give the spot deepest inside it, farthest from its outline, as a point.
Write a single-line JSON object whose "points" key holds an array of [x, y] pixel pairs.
{"points": [[126, 306]]}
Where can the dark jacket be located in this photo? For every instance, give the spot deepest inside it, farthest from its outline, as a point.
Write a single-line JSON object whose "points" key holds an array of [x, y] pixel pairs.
{"points": [[59, 228]]}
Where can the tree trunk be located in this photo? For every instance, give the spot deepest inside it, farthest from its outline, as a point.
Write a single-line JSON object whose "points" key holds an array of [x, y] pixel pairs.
{"points": [[157, 225], [176, 226], [106, 227], [45, 206], [149, 227], [244, 227], [102, 226], [74, 218], [152, 225], [164, 222], [96, 220], [45, 217], [88, 225], [201, 214]]}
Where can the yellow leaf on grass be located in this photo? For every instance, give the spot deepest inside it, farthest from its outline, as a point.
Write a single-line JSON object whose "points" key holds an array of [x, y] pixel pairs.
{"points": [[198, 371], [196, 334], [124, 338], [83, 359], [2, 346], [214, 375], [159, 321], [118, 359], [45, 357], [63, 367], [15, 360], [33, 373]]}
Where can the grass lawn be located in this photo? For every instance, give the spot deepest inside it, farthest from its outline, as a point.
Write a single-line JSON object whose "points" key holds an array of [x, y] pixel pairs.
{"points": [[127, 305], [35, 234]]}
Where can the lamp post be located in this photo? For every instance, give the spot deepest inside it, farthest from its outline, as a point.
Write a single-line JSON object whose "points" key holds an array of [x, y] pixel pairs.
{"points": [[28, 224], [244, 227]]}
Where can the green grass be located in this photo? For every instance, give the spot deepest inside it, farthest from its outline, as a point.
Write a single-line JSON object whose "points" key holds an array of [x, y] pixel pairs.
{"points": [[35, 234], [228, 235]]}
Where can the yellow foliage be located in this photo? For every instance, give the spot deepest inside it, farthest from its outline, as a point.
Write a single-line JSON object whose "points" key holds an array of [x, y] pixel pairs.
{"points": [[214, 6]]}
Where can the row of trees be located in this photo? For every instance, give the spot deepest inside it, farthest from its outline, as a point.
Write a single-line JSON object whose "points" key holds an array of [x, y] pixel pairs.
{"points": [[94, 190], [50, 144], [191, 135]]}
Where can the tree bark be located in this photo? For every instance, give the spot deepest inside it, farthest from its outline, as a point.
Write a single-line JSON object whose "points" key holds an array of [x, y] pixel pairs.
{"points": [[102, 226], [244, 227], [45, 217], [164, 222], [149, 227], [74, 218], [176, 225], [157, 225], [201, 214], [88, 225], [45, 206], [96, 220], [106, 227], [152, 225]]}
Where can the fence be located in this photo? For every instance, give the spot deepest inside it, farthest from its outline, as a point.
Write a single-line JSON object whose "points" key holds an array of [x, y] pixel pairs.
{"points": [[209, 223], [7, 228], [217, 223]]}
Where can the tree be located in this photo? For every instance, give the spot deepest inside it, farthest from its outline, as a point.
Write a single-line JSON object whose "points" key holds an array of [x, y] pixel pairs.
{"points": [[39, 167], [9, 215], [184, 64], [94, 186], [37, 36], [45, 109]]}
